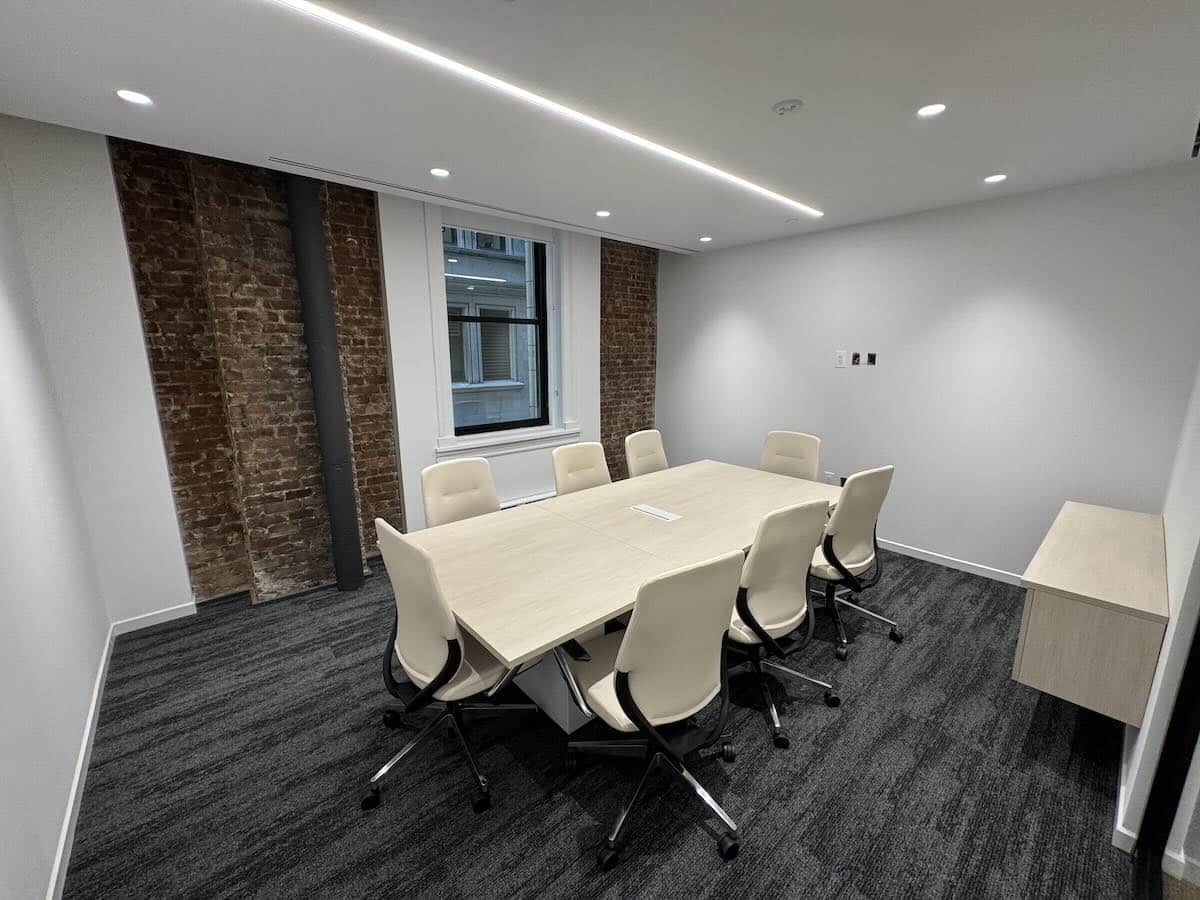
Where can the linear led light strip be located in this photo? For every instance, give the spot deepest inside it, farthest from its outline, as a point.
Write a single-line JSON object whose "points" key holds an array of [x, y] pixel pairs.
{"points": [[361, 29], [475, 277]]}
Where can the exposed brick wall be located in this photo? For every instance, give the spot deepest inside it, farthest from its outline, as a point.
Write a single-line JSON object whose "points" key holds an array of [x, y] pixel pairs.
{"points": [[212, 250], [352, 240], [157, 206], [628, 344], [242, 219]]}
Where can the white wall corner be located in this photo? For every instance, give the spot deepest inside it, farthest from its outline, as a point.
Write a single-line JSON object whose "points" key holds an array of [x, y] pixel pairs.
{"points": [[66, 837]]}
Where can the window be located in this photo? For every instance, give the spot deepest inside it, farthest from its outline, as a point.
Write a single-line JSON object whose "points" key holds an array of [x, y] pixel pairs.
{"points": [[496, 311]]}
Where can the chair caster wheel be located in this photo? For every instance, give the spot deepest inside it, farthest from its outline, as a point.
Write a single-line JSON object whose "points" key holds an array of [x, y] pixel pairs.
{"points": [[727, 752], [370, 801], [482, 802], [728, 847], [607, 858], [896, 636], [781, 740], [832, 699], [392, 719], [841, 652], [572, 765]]}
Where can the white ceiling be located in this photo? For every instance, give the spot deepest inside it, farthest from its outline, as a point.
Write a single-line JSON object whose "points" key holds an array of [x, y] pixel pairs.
{"points": [[1048, 91]]}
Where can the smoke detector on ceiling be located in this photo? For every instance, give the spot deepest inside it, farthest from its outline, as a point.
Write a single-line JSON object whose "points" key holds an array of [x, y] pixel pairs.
{"points": [[783, 107]]}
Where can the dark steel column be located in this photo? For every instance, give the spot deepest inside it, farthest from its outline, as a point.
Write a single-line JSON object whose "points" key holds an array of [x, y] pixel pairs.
{"points": [[320, 334]]}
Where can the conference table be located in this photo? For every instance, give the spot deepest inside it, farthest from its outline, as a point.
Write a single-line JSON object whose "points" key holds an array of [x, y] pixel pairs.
{"points": [[525, 580]]}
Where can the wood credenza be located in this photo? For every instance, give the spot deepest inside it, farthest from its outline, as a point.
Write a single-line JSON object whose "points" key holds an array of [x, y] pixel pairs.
{"points": [[1095, 610]]}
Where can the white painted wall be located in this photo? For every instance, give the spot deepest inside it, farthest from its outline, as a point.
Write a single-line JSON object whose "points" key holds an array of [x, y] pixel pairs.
{"points": [[65, 207], [1181, 519], [52, 609], [1032, 349], [410, 244]]}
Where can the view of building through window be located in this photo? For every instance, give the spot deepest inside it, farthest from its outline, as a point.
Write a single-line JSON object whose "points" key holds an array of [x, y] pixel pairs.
{"points": [[496, 309]]}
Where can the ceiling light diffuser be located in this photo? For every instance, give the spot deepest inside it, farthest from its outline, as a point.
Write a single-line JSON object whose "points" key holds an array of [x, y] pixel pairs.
{"points": [[704, 239], [933, 109], [445, 63], [134, 97], [603, 213], [995, 179], [440, 173]]}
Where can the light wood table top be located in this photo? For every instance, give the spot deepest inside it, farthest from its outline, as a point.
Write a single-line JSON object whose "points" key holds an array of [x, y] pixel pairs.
{"points": [[526, 579], [1110, 557], [719, 508]]}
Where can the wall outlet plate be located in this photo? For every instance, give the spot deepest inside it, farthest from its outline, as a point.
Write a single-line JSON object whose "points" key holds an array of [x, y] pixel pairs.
{"points": [[841, 358]]}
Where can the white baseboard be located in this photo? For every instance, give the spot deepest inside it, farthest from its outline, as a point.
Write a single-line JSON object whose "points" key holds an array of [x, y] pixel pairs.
{"points": [[133, 623], [950, 562], [1122, 837], [66, 837], [1179, 865]]}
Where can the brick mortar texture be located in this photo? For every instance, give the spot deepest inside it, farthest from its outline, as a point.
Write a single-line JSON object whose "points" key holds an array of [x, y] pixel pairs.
{"points": [[211, 249], [628, 345]]}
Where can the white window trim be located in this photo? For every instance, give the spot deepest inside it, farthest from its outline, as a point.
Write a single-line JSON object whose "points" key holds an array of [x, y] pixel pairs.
{"points": [[561, 386]]}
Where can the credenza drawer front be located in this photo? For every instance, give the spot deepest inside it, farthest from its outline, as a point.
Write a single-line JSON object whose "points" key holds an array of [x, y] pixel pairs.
{"points": [[1088, 654]]}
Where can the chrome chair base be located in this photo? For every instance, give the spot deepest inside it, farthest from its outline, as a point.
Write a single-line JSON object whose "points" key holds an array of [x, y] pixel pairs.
{"points": [[728, 843], [450, 716]]}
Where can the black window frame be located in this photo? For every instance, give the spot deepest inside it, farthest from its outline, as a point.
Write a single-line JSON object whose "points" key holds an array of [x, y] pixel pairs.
{"points": [[540, 323]]}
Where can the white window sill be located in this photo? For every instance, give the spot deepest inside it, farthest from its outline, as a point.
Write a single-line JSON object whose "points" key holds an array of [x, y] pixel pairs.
{"points": [[502, 443], [466, 387]]}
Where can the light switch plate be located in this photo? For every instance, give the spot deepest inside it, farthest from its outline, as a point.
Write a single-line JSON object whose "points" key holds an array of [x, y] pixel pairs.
{"points": [[841, 358]]}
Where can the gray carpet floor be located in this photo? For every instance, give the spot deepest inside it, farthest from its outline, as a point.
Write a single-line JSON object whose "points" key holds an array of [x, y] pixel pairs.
{"points": [[232, 748]]}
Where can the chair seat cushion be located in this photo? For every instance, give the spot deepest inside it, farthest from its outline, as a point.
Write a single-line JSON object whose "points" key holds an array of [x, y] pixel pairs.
{"points": [[597, 680], [741, 632], [823, 570], [477, 672]]}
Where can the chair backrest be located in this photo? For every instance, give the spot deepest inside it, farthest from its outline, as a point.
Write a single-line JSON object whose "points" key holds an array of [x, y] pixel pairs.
{"points": [[458, 489], [644, 453], [792, 453], [424, 622], [852, 524], [775, 574], [672, 647], [579, 466]]}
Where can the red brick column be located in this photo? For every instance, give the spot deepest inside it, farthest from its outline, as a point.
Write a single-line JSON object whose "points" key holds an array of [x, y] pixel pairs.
{"points": [[628, 345], [241, 217], [352, 239], [155, 189]]}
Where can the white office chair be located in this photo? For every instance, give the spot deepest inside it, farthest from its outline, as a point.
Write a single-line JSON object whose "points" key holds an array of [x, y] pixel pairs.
{"points": [[644, 453], [448, 666], [458, 489], [791, 453], [578, 467], [773, 598], [848, 549], [667, 666]]}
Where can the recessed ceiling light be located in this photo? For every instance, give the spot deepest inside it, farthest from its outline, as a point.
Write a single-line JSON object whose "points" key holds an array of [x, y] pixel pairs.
{"points": [[995, 179], [603, 213], [134, 97], [933, 109], [440, 173], [451, 260], [704, 238], [446, 64], [470, 287]]}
